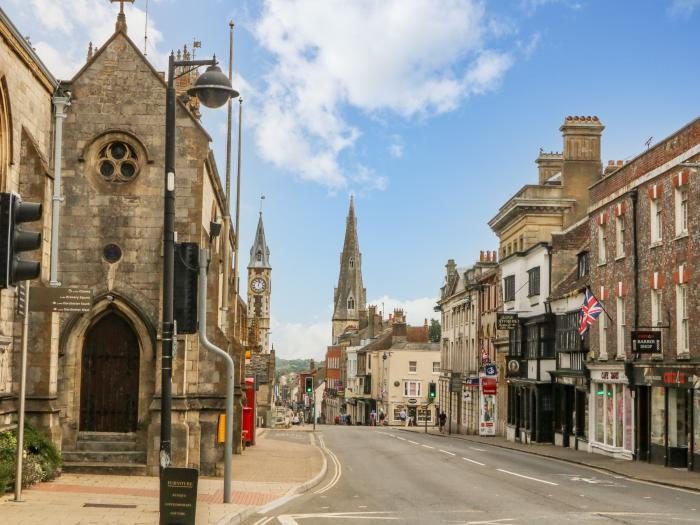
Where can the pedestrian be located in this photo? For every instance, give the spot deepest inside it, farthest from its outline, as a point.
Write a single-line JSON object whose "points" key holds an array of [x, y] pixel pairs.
{"points": [[347, 419], [381, 418], [402, 416], [372, 418], [443, 419]]}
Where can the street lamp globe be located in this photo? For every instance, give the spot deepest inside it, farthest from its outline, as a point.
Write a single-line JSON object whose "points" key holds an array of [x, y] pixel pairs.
{"points": [[213, 88]]}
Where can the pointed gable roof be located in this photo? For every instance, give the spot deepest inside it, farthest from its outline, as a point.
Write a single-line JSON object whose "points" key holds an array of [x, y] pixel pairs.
{"points": [[260, 247]]}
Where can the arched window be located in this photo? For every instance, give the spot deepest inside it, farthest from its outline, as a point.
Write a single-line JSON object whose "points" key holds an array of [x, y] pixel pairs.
{"points": [[351, 303], [352, 262]]}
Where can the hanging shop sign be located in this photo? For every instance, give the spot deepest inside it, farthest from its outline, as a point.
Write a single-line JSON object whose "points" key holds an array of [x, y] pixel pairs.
{"points": [[456, 383], [516, 367], [506, 321], [646, 342]]}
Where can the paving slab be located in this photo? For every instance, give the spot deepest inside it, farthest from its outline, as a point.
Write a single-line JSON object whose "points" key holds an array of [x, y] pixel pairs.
{"points": [[282, 462]]}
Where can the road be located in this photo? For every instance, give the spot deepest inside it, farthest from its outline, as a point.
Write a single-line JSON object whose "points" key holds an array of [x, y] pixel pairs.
{"points": [[383, 475]]}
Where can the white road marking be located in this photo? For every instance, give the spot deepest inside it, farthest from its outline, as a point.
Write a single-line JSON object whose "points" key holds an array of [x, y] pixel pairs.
{"points": [[446, 452], [428, 446], [414, 442], [489, 521], [289, 519], [399, 437], [263, 521], [478, 449], [526, 477], [476, 462]]}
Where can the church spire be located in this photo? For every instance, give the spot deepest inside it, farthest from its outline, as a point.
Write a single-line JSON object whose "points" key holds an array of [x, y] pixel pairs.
{"points": [[259, 252], [349, 297]]}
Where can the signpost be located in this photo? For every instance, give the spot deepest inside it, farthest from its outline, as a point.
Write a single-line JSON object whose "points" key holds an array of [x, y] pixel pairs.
{"points": [[178, 496], [646, 342], [487, 400], [60, 299], [506, 321]]}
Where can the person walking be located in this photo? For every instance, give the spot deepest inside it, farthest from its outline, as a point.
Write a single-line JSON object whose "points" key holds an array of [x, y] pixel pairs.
{"points": [[402, 417], [372, 418], [443, 419], [381, 418]]}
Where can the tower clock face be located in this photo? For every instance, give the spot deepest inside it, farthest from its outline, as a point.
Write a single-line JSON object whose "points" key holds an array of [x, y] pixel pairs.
{"points": [[258, 285]]}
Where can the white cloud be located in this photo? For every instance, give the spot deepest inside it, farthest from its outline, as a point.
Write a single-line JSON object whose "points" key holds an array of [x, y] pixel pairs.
{"points": [[396, 147], [416, 310], [422, 57], [683, 8], [300, 341], [65, 33]]}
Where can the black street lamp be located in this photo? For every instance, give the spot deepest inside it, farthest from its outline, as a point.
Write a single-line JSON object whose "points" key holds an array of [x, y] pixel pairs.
{"points": [[213, 89]]}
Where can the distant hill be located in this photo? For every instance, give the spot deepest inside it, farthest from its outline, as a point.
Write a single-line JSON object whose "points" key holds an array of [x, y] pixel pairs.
{"points": [[284, 366]]}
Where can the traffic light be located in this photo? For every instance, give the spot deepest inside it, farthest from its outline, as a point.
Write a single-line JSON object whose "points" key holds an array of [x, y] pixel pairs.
{"points": [[432, 390], [309, 382], [13, 240], [185, 291]]}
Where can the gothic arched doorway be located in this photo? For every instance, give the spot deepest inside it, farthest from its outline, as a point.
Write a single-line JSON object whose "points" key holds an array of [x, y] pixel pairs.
{"points": [[109, 386]]}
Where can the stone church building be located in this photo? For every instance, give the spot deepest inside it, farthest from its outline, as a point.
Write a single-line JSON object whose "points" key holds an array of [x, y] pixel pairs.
{"points": [[94, 378]]}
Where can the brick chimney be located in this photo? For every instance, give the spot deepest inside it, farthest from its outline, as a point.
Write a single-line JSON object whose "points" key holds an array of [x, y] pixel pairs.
{"points": [[548, 164], [582, 166], [372, 319], [398, 327]]}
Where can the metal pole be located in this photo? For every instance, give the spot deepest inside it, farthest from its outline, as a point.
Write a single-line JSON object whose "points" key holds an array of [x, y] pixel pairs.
{"points": [[314, 416], [60, 103], [425, 417], [202, 320], [168, 271], [22, 395], [239, 447], [227, 211]]}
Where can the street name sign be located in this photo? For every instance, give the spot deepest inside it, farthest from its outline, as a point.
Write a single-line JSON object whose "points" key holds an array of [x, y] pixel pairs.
{"points": [[60, 299], [506, 321]]}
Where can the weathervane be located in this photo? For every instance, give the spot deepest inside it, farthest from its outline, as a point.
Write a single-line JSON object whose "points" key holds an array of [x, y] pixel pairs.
{"points": [[262, 198]]}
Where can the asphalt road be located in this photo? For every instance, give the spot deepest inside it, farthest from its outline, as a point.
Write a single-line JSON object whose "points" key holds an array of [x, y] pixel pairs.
{"points": [[382, 475]]}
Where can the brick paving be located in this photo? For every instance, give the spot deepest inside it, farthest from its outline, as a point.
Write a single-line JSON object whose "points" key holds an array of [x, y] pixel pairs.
{"points": [[277, 465], [641, 470]]}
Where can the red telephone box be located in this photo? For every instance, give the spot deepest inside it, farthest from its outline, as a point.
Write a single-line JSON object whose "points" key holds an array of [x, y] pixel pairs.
{"points": [[249, 411]]}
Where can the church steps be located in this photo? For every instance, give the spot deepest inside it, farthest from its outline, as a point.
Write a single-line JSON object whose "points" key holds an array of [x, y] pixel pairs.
{"points": [[117, 469], [106, 453], [104, 456]]}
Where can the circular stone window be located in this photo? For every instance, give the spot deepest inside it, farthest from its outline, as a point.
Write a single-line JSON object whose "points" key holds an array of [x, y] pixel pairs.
{"points": [[112, 253], [118, 162]]}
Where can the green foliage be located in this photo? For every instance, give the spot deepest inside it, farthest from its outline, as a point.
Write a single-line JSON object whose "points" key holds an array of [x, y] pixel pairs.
{"points": [[42, 460], [284, 366], [434, 332]]}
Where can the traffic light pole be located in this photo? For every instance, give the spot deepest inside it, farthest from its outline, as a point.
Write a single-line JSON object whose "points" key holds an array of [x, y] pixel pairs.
{"points": [[22, 395]]}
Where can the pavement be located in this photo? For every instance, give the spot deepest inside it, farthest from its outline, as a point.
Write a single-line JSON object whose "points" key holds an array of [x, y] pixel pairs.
{"points": [[281, 464], [378, 474], [640, 470]]}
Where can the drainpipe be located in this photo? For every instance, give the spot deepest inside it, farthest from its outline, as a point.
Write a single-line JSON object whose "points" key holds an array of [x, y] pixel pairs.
{"points": [[202, 319], [635, 257], [61, 100]]}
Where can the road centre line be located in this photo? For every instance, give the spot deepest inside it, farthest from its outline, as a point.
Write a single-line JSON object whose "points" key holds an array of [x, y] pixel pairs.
{"points": [[526, 477], [428, 446], [446, 452], [478, 449], [399, 437], [414, 442], [472, 461]]}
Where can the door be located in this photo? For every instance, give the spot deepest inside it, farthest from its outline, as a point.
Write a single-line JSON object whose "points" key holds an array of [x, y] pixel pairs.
{"points": [[109, 390]]}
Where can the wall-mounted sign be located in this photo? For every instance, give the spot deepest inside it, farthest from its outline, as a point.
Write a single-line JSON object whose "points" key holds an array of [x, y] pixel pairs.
{"points": [[455, 383], [490, 369], [646, 342], [412, 401], [506, 321], [61, 299], [515, 368]]}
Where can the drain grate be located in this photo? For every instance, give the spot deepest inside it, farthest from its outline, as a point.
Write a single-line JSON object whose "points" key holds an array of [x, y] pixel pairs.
{"points": [[109, 506]]}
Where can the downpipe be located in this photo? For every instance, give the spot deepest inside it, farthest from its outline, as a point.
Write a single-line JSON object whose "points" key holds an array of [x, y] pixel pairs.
{"points": [[202, 320]]}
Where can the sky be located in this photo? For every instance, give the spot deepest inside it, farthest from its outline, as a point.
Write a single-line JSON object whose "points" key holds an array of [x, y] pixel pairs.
{"points": [[430, 112]]}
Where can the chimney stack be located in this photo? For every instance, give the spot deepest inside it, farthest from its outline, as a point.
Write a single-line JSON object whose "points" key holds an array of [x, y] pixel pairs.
{"points": [[548, 164]]}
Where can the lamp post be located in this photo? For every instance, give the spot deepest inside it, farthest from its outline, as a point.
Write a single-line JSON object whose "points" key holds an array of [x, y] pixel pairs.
{"points": [[213, 89]]}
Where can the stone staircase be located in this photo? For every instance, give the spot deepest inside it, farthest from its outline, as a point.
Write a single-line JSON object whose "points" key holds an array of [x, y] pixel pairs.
{"points": [[106, 453]]}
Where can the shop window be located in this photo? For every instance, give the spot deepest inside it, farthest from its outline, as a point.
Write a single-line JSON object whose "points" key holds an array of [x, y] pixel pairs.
{"points": [[609, 414], [620, 236], [599, 412], [533, 281], [658, 413], [397, 412], [619, 414], [655, 220], [677, 421], [682, 328], [696, 420]]}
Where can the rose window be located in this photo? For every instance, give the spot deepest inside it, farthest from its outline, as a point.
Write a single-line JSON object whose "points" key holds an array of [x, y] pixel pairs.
{"points": [[118, 162]]}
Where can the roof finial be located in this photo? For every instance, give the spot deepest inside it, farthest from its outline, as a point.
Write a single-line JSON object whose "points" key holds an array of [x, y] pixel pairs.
{"points": [[262, 198], [121, 18]]}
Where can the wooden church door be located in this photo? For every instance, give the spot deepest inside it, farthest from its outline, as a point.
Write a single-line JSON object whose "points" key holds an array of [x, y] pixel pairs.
{"points": [[109, 391]]}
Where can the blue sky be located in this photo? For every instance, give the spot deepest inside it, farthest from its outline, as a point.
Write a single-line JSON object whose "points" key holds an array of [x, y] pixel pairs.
{"points": [[430, 112]]}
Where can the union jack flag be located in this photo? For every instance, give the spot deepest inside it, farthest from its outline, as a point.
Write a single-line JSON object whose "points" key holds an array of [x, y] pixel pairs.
{"points": [[590, 311]]}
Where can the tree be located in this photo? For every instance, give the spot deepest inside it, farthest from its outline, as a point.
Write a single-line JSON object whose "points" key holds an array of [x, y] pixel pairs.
{"points": [[434, 332]]}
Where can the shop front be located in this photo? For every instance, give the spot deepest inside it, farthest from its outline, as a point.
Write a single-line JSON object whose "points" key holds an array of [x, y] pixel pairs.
{"points": [[611, 412], [570, 409], [669, 415]]}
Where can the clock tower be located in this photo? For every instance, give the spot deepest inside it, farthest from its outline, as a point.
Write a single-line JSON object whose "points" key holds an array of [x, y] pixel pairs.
{"points": [[259, 286]]}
